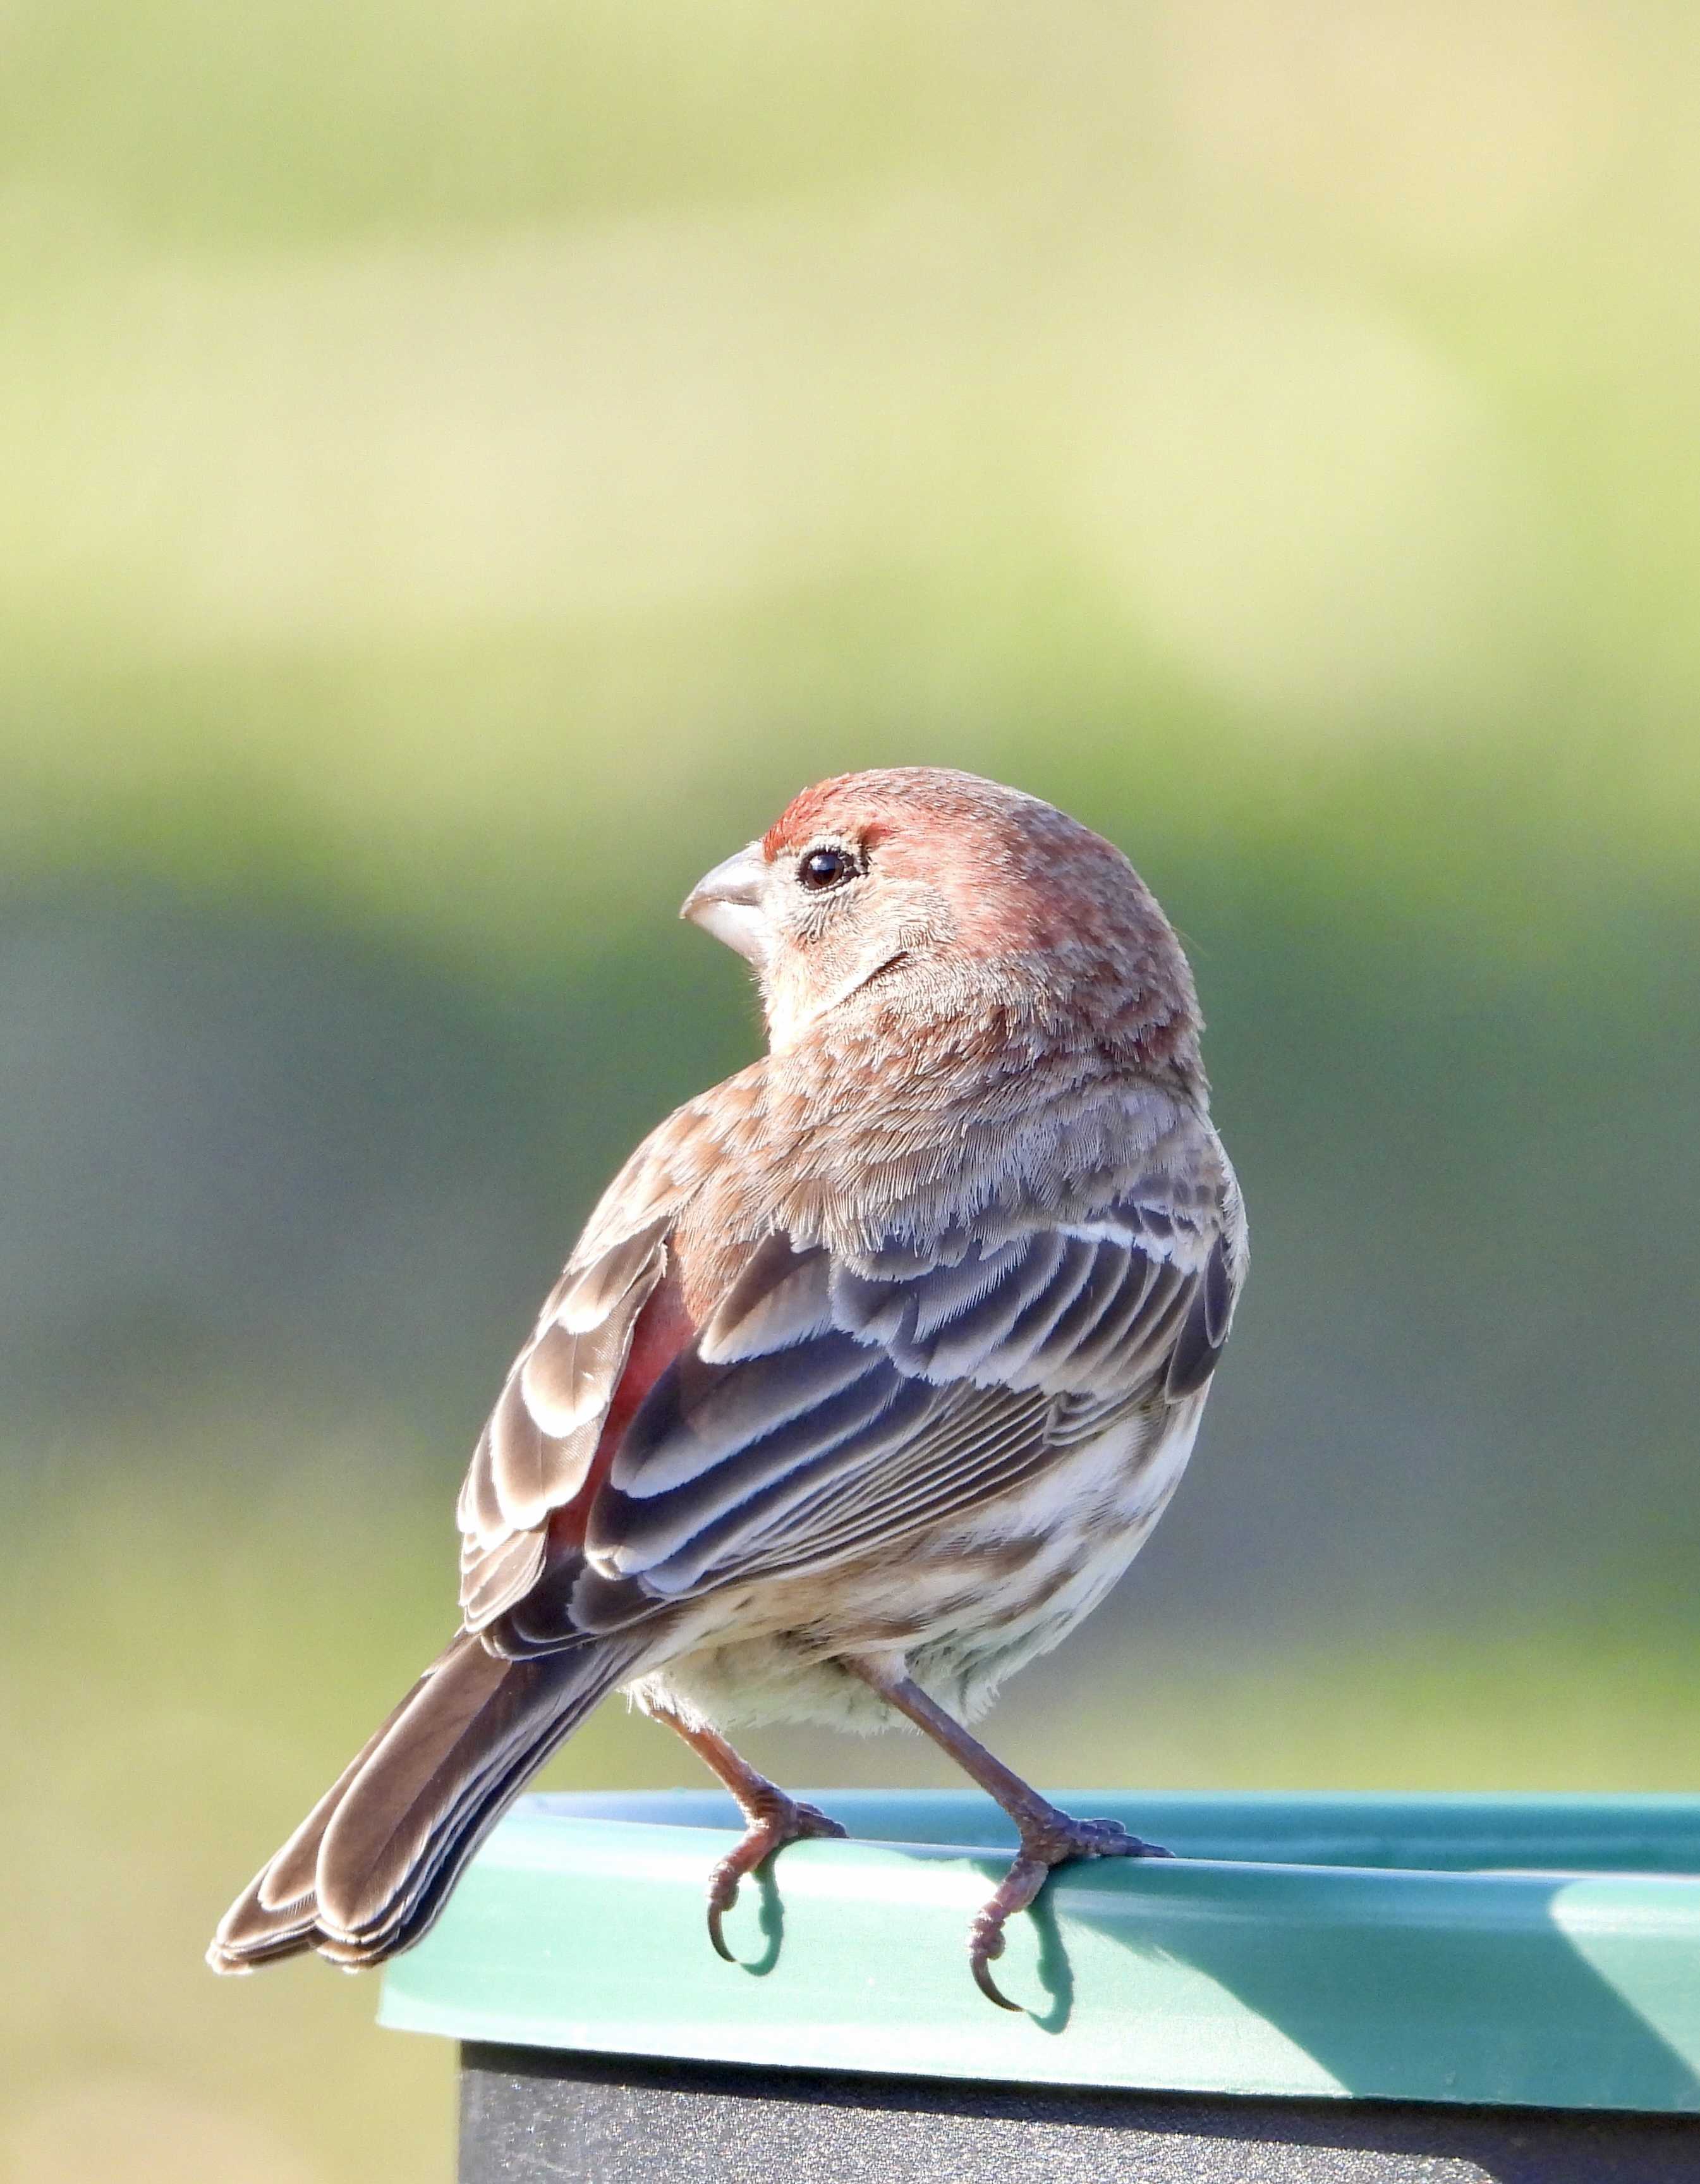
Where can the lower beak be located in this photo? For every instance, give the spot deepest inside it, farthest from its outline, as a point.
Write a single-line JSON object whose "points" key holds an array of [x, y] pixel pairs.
{"points": [[727, 903]]}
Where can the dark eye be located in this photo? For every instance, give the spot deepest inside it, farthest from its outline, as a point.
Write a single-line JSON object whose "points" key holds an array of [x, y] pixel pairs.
{"points": [[825, 868]]}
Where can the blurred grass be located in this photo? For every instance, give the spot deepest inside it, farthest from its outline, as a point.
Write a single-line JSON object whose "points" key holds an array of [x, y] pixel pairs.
{"points": [[1248, 415], [460, 471]]}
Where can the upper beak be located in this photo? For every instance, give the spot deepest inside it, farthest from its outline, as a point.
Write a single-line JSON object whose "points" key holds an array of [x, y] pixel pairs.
{"points": [[727, 903]]}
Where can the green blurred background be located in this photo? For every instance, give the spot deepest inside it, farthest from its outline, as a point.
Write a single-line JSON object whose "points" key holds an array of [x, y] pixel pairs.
{"points": [[461, 469]]}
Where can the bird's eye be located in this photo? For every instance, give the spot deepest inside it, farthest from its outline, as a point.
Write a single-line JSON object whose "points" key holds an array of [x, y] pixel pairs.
{"points": [[821, 869]]}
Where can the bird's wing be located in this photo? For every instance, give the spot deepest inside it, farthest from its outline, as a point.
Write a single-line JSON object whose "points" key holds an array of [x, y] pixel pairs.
{"points": [[834, 1401], [602, 1337], [536, 1451]]}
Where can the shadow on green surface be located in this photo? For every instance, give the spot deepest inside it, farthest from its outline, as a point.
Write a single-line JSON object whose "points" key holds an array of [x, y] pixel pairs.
{"points": [[1508, 2010], [1495, 2002], [1410, 1948], [769, 1923]]}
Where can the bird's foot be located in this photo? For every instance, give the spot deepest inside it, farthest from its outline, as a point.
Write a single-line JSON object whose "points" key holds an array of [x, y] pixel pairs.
{"points": [[775, 1820], [1047, 1842]]}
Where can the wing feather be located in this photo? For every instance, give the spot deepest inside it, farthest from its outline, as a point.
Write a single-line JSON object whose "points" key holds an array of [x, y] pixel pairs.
{"points": [[836, 1399], [536, 1449], [700, 1418], [833, 1403], [712, 1539], [635, 1529]]}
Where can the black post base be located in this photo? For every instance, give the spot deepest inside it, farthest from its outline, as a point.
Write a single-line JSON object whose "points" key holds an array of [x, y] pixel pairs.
{"points": [[528, 2115]]}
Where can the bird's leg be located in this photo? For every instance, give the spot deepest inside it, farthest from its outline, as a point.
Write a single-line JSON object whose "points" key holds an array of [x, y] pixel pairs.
{"points": [[772, 1819], [1049, 1836]]}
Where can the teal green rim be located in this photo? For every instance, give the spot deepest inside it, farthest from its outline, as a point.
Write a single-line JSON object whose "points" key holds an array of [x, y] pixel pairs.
{"points": [[1516, 1951]]}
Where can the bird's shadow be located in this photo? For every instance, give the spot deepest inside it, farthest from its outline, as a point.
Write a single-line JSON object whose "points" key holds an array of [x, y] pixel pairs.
{"points": [[769, 1922], [1055, 1973], [1330, 2001], [1051, 1967]]}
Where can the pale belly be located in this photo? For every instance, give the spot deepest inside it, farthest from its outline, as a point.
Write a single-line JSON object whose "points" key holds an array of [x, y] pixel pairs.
{"points": [[964, 1605]]}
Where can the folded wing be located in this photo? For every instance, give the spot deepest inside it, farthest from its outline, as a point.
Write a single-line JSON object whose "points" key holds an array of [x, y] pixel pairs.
{"points": [[536, 1453], [835, 1399]]}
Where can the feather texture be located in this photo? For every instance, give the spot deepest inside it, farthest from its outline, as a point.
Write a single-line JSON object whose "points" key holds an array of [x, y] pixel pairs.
{"points": [[538, 1448], [363, 1874], [833, 1398], [893, 1343]]}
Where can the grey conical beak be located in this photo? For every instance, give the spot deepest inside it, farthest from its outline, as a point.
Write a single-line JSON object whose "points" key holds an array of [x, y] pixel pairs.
{"points": [[727, 903]]}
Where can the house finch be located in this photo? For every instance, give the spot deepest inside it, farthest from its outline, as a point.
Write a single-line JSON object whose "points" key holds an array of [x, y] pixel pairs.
{"points": [[869, 1376]]}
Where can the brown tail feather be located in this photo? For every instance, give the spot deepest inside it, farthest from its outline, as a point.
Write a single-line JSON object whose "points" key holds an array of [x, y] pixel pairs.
{"points": [[371, 1865]]}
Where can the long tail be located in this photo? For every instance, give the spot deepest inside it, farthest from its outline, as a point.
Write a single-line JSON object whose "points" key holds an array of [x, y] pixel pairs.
{"points": [[371, 1865]]}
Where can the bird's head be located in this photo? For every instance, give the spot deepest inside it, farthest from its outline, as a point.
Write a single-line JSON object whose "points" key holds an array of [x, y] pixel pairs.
{"points": [[944, 894]]}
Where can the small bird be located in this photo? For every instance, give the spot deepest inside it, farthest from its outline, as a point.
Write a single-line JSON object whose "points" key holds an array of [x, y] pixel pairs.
{"points": [[868, 1378]]}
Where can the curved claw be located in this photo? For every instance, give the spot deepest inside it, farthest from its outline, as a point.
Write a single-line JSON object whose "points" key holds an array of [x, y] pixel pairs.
{"points": [[981, 1969], [717, 1912], [1042, 1852], [1026, 1876], [723, 1890], [786, 1822]]}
